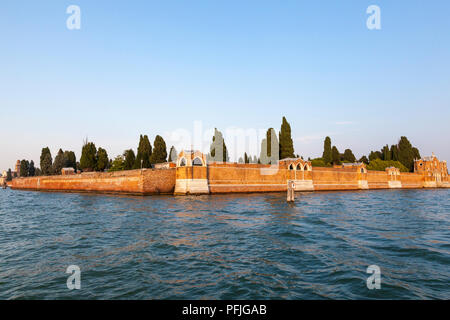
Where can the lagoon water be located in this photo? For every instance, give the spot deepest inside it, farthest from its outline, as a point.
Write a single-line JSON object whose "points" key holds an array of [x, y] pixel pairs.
{"points": [[250, 246]]}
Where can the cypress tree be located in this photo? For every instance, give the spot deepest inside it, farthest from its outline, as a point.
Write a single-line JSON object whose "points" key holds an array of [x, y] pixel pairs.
{"points": [[173, 154], [58, 164], [246, 159], [272, 144], [46, 161], [24, 166], [88, 160], [31, 169], [270, 148], [286, 147], [349, 156], [102, 159], [144, 153], [335, 155], [130, 159], [416, 153], [326, 156], [159, 154], [218, 150], [394, 152], [9, 175], [386, 153], [405, 153]]}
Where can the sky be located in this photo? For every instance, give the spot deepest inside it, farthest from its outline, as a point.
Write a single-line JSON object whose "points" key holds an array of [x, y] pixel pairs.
{"points": [[176, 67]]}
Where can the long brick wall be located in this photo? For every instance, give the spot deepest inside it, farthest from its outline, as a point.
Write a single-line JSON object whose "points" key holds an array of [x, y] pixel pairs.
{"points": [[147, 181], [225, 178]]}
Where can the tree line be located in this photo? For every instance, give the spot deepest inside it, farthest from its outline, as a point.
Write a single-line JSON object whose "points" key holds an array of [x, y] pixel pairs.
{"points": [[146, 156], [273, 148], [400, 155]]}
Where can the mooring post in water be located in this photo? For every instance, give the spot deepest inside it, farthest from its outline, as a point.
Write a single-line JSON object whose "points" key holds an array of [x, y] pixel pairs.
{"points": [[290, 191]]}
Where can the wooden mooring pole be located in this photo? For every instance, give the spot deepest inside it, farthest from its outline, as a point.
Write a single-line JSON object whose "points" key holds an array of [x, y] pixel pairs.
{"points": [[290, 191]]}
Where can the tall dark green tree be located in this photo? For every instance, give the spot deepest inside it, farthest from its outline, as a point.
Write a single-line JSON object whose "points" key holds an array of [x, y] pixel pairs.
{"points": [[173, 154], [144, 153], [129, 159], [46, 162], [88, 160], [24, 167], [246, 158], [102, 160], [270, 148], [335, 155], [394, 152], [9, 176], [59, 162], [159, 154], [70, 160], [286, 148], [326, 156], [386, 153], [349, 156], [405, 153], [218, 149], [31, 169]]}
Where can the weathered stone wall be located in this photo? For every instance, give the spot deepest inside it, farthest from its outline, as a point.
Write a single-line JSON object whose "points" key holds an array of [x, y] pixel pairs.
{"points": [[234, 177], [224, 178], [147, 181], [411, 180], [336, 178], [378, 180], [158, 181]]}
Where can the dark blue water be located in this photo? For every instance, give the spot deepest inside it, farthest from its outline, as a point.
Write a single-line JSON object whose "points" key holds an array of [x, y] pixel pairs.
{"points": [[226, 246]]}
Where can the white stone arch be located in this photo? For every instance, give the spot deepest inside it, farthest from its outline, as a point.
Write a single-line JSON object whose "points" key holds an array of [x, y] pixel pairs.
{"points": [[307, 167], [291, 167], [198, 162]]}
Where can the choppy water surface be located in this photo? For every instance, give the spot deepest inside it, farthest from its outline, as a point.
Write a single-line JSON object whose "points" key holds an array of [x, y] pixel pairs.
{"points": [[226, 246]]}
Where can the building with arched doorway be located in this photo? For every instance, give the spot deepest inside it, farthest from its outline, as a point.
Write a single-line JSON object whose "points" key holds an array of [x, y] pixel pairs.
{"points": [[300, 172], [191, 173]]}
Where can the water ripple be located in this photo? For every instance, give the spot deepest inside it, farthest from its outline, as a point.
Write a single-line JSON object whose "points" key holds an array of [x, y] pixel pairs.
{"points": [[226, 246]]}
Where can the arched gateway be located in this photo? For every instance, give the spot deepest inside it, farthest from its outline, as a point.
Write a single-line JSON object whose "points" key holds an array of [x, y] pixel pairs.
{"points": [[191, 173]]}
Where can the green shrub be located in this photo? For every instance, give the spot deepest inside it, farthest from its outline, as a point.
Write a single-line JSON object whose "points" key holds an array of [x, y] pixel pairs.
{"points": [[381, 165], [319, 162]]}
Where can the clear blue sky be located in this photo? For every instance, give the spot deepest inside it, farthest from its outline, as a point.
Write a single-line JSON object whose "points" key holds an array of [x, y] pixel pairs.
{"points": [[153, 67]]}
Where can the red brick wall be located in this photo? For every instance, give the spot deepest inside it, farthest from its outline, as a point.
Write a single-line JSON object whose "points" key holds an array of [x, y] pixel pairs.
{"points": [[378, 179], [223, 178], [335, 178], [132, 181], [411, 180]]}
